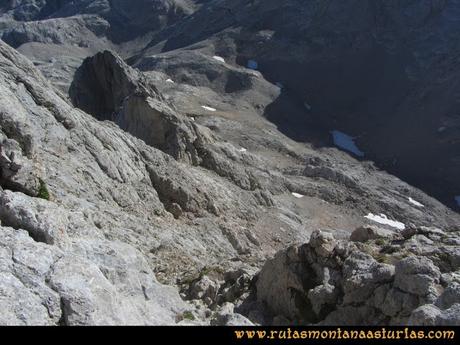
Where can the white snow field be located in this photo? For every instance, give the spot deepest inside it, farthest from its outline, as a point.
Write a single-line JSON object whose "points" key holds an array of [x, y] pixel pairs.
{"points": [[383, 219]]}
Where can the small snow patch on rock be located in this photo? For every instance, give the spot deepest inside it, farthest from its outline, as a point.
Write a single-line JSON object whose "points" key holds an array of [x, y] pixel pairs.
{"points": [[219, 58], [415, 202], [205, 107], [170, 81], [297, 195], [242, 150], [383, 219]]}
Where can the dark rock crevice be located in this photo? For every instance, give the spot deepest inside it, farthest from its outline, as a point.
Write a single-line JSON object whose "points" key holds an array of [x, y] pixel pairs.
{"points": [[17, 172], [13, 223]]}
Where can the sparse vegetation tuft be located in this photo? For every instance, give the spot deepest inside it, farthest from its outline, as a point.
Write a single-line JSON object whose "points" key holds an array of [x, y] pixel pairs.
{"points": [[43, 192], [188, 315]]}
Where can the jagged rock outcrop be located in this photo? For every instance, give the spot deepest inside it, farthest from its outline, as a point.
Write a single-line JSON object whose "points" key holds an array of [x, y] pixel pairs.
{"points": [[107, 88], [337, 282]]}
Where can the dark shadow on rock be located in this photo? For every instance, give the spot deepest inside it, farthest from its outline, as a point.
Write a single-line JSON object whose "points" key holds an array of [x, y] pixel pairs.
{"points": [[294, 120], [369, 97]]}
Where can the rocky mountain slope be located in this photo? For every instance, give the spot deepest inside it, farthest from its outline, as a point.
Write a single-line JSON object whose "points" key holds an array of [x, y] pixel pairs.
{"points": [[155, 193], [58, 35], [372, 69]]}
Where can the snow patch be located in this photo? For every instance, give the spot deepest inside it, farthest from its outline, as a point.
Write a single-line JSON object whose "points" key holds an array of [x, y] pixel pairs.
{"points": [[205, 107], [345, 142], [415, 202], [242, 150], [383, 219], [219, 58], [170, 81], [297, 195]]}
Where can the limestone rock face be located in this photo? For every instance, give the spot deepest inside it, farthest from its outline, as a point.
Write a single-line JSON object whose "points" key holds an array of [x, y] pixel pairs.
{"points": [[102, 83], [62, 263], [107, 88], [85, 285], [430, 315], [103, 201], [417, 275], [279, 282]]}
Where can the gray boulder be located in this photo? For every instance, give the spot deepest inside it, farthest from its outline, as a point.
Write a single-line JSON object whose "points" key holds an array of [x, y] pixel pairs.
{"points": [[369, 232], [417, 275], [430, 315], [450, 296]]}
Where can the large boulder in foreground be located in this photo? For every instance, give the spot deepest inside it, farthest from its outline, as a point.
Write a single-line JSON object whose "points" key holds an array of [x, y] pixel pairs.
{"points": [[337, 282]]}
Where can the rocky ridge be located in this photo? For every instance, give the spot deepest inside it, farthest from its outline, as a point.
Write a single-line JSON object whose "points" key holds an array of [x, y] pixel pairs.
{"points": [[383, 279]]}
